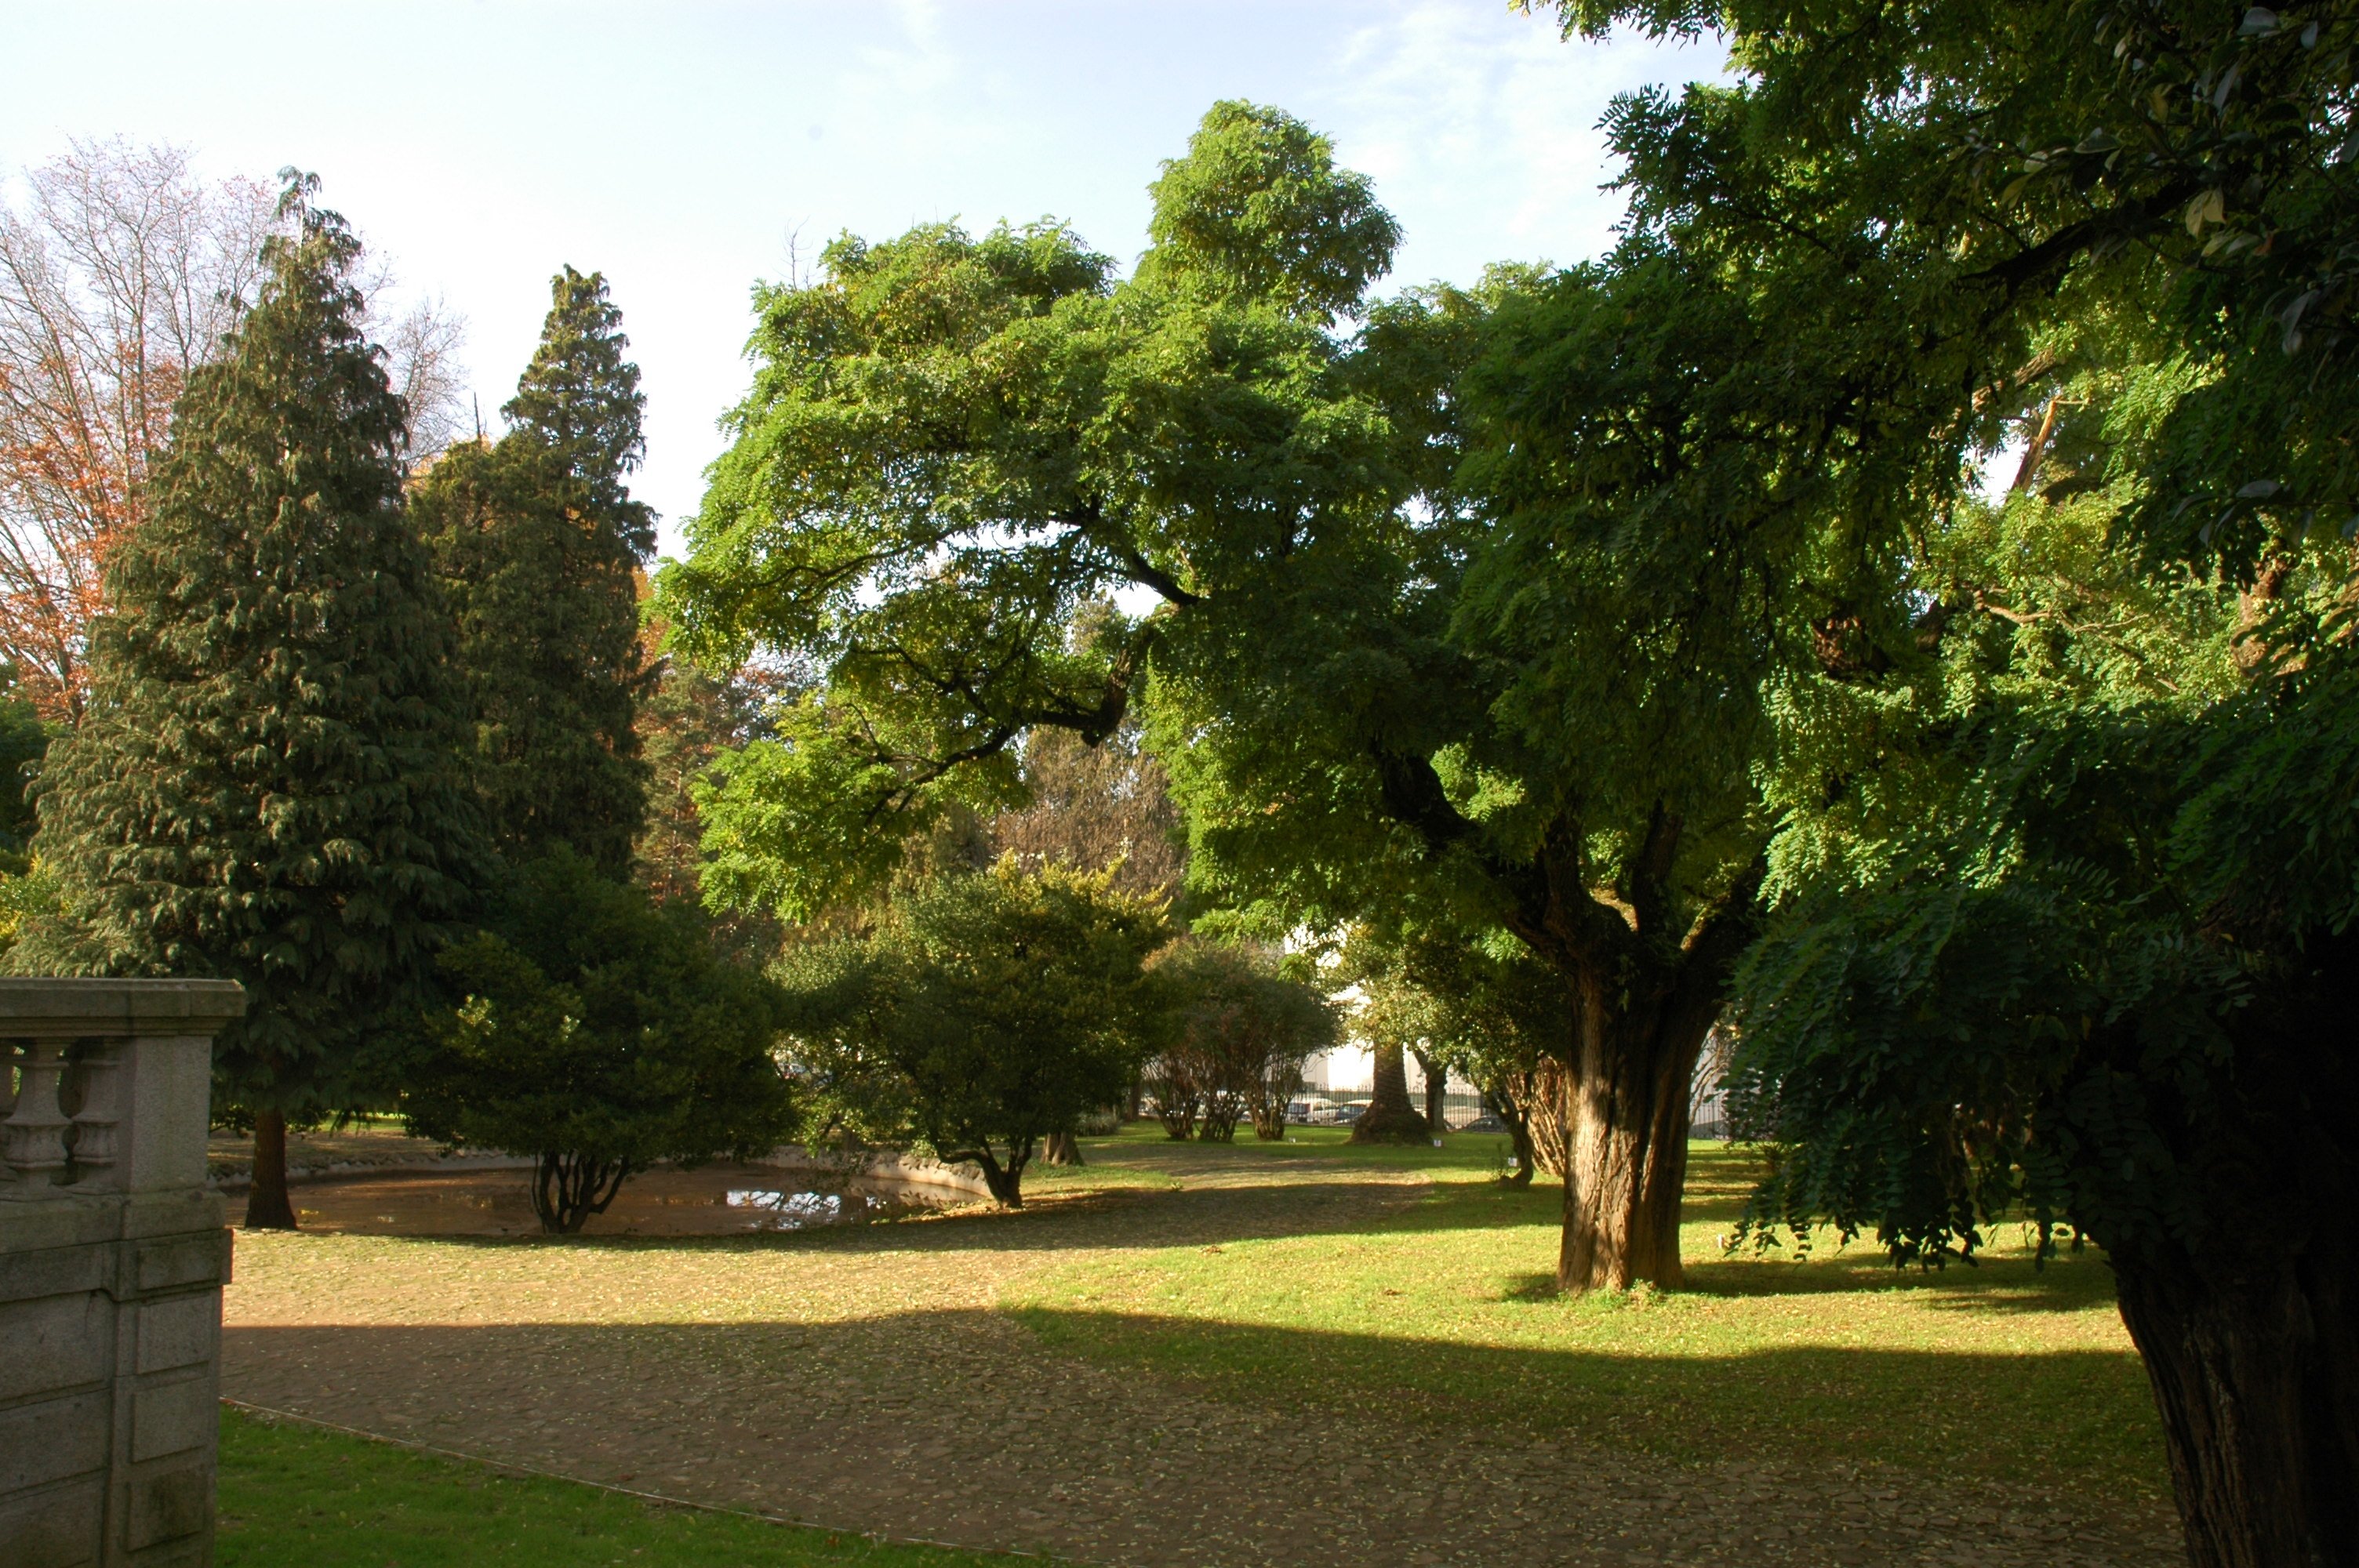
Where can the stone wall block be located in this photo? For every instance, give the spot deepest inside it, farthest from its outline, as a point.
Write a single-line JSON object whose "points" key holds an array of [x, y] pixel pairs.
{"points": [[184, 1331], [56, 1527], [112, 1259]]}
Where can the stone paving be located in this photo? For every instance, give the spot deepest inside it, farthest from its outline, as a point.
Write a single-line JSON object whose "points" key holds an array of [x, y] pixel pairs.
{"points": [[868, 1382]]}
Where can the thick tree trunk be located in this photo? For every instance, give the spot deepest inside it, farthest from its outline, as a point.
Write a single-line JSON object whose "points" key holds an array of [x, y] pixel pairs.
{"points": [[1437, 1094], [1628, 1160], [2254, 1364], [1006, 1181], [267, 1206], [1063, 1148], [1390, 1118]]}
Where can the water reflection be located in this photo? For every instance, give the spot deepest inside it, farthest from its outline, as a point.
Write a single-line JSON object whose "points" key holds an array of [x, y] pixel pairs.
{"points": [[714, 1200]]}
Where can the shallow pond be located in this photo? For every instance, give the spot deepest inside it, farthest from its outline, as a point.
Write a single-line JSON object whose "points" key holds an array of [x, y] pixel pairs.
{"points": [[716, 1200]]}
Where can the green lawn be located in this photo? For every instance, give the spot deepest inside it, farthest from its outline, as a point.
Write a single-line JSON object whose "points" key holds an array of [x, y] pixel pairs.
{"points": [[1280, 1277], [1442, 1314], [297, 1496]]}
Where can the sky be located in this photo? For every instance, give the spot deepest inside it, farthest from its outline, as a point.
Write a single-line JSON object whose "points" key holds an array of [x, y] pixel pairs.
{"points": [[689, 149]]}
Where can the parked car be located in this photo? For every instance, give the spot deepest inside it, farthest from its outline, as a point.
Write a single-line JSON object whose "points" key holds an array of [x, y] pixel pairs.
{"points": [[1347, 1114], [1487, 1122], [1311, 1110]]}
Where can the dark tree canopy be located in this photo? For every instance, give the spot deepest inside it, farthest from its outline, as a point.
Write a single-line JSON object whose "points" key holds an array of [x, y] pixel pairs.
{"points": [[266, 786], [540, 546], [599, 1034]]}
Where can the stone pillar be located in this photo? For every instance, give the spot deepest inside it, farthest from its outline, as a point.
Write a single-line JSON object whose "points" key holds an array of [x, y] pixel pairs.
{"points": [[113, 1256]]}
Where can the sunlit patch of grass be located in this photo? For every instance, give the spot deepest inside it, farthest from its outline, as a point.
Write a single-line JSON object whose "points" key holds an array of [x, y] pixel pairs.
{"points": [[1446, 1312]]}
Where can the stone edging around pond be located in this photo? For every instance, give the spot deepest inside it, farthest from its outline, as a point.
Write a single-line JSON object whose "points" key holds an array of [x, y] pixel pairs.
{"points": [[881, 1164], [887, 1165], [345, 1169]]}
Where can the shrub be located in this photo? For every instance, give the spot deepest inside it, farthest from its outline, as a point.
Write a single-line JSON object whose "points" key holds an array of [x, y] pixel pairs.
{"points": [[1239, 1030], [598, 1034], [985, 1011]]}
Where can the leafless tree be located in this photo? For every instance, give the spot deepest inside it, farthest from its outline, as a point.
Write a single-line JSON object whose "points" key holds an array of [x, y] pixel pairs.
{"points": [[121, 269], [422, 346]]}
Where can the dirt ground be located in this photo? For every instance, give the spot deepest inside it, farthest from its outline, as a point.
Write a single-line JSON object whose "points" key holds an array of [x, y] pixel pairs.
{"points": [[867, 1379]]}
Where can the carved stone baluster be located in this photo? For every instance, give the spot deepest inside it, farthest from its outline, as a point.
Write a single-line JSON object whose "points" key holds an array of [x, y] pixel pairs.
{"points": [[98, 1116], [32, 1140]]}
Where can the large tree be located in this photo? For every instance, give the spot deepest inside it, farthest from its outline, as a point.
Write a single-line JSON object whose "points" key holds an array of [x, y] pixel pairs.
{"points": [[1538, 704], [2066, 875], [539, 544], [266, 784]]}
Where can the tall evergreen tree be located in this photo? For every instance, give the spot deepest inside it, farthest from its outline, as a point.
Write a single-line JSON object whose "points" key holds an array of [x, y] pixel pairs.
{"points": [[267, 785], [540, 544]]}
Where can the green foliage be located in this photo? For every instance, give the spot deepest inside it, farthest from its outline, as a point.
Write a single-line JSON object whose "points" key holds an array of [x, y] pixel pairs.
{"points": [[600, 1033], [1477, 1003], [1493, 643], [1238, 1029], [1256, 213], [983, 1013], [955, 447], [538, 545], [266, 786], [2065, 803], [23, 741], [25, 892]]}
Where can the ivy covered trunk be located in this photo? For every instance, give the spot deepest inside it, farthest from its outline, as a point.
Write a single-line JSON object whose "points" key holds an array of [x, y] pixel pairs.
{"points": [[268, 1205]]}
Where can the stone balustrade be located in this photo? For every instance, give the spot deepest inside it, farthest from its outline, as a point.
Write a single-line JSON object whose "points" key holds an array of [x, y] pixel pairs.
{"points": [[112, 1254]]}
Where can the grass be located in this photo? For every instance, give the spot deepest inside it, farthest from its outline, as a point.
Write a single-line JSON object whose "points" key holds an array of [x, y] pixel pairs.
{"points": [[1301, 1276], [294, 1495], [1443, 1313]]}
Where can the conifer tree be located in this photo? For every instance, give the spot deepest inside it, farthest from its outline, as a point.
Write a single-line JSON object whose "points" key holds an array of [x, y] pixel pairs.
{"points": [[540, 544], [267, 786]]}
